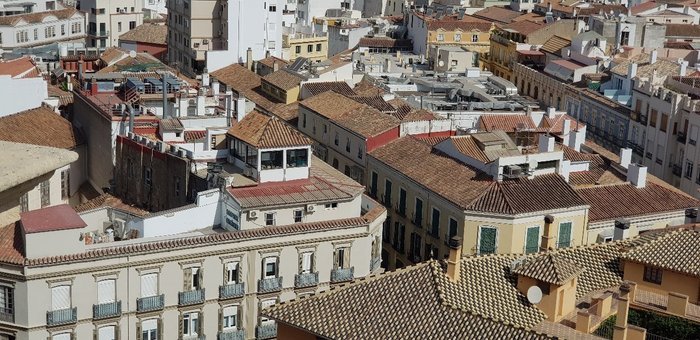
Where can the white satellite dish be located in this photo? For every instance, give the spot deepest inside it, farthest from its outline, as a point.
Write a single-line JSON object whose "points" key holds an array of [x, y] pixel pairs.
{"points": [[441, 63], [132, 54], [534, 295]]}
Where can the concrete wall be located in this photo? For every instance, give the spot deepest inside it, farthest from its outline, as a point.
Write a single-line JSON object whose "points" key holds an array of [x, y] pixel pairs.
{"points": [[33, 92]]}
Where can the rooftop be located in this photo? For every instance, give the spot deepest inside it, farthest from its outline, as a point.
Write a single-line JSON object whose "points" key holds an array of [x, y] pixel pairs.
{"points": [[335, 86], [385, 42], [263, 131], [147, 33], [40, 126], [109, 201], [452, 22], [271, 60], [37, 17], [549, 268], [677, 251], [245, 82], [498, 14], [283, 79], [645, 68], [23, 67], [682, 30], [23, 162], [58, 217], [555, 44]]}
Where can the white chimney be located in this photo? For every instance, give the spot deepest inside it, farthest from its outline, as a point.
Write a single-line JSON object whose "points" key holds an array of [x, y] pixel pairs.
{"points": [[654, 56], [184, 104], [215, 87], [576, 138], [684, 68], [201, 104], [546, 143], [240, 108], [625, 157], [550, 112], [622, 230], [632, 70], [637, 175], [567, 127], [205, 77], [565, 169]]}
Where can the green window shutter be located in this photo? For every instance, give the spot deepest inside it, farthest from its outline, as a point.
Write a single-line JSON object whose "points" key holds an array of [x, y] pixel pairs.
{"points": [[487, 241], [564, 239], [532, 240]]}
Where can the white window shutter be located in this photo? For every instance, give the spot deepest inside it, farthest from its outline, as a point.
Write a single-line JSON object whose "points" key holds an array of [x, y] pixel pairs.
{"points": [[105, 291], [306, 262], [149, 285], [60, 297]]}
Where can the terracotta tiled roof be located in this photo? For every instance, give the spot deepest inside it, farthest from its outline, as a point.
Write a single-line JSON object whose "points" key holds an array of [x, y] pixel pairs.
{"points": [[40, 126], [432, 141], [64, 97], [555, 44], [367, 121], [11, 245], [678, 251], [498, 14], [288, 112], [645, 6], [576, 156], [195, 135], [107, 200], [366, 88], [57, 217], [466, 145], [452, 22], [524, 27], [415, 115], [263, 131], [23, 67], [283, 79], [549, 268], [269, 62], [352, 311], [376, 102], [170, 125], [645, 69], [330, 104], [382, 42], [244, 82], [336, 86], [37, 17], [556, 125], [682, 30], [113, 54], [507, 123], [625, 200], [142, 62], [147, 33]]}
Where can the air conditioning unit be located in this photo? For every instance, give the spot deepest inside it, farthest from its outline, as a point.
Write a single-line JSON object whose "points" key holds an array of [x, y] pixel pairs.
{"points": [[512, 171], [205, 42], [310, 208], [253, 214]]}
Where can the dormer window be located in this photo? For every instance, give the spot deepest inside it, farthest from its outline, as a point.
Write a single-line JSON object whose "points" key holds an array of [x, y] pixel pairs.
{"points": [[271, 160], [297, 158]]}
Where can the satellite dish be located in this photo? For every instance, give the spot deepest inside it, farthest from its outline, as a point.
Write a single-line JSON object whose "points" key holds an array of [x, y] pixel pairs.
{"points": [[534, 295], [441, 63], [132, 54]]}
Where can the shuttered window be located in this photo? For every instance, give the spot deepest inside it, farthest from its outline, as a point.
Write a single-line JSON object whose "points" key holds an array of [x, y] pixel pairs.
{"points": [[190, 324], [342, 257], [60, 297], [264, 304], [149, 285], [106, 333], [106, 291], [62, 336], [232, 272], [230, 318], [149, 329], [532, 240], [307, 259], [487, 240], [564, 239], [270, 267]]}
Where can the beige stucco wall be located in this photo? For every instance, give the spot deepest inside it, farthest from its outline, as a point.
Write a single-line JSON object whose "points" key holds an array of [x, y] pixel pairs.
{"points": [[670, 282]]}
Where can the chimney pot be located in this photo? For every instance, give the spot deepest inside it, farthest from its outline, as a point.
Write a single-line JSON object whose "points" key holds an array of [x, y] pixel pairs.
{"points": [[548, 219], [637, 175], [625, 157]]}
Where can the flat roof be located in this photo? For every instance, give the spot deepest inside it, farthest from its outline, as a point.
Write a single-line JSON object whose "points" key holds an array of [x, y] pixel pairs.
{"points": [[58, 217], [23, 162]]}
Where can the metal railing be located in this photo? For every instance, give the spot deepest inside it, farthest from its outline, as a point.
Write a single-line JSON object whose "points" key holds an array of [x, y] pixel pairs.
{"points": [[342, 274], [96, 33], [107, 310], [270, 285], [677, 170], [305, 280], [232, 290], [62, 316], [191, 297], [150, 303], [681, 137], [267, 331], [237, 334]]}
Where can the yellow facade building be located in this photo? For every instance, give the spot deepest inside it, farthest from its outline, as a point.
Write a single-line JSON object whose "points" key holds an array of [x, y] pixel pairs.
{"points": [[311, 46]]}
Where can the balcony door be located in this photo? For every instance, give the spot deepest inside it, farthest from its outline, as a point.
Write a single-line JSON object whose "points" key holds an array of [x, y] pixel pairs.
{"points": [[60, 297], [149, 285], [106, 333], [487, 240], [105, 291]]}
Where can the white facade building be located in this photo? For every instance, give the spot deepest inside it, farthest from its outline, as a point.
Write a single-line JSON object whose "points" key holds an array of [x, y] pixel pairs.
{"points": [[39, 29], [107, 20]]}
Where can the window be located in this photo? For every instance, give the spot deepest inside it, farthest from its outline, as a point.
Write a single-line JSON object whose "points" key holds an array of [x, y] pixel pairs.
{"points": [[132, 25], [652, 118], [62, 336], [149, 329], [415, 247], [458, 37], [435, 223], [309, 48], [106, 333], [297, 158], [7, 300], [24, 202], [65, 184], [331, 205], [532, 240], [342, 258], [22, 36], [232, 273], [452, 232], [60, 297], [564, 239], [297, 49], [347, 144], [475, 38], [373, 185], [229, 318], [336, 139], [488, 237], [149, 285], [653, 274], [265, 304], [418, 213], [45, 191], [387, 193], [147, 173], [270, 267], [318, 47], [272, 8], [36, 34], [119, 27], [306, 262], [688, 169], [360, 151], [269, 219], [440, 37], [177, 186], [298, 216], [271, 160], [625, 38], [190, 324], [106, 291], [402, 201], [664, 122], [232, 219]]}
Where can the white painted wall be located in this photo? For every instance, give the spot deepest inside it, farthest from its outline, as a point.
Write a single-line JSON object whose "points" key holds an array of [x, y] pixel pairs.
{"points": [[9, 33], [204, 214], [33, 91]]}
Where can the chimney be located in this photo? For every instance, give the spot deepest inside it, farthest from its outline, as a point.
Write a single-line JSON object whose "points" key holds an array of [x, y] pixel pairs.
{"points": [[546, 143], [548, 239], [625, 157], [691, 215], [267, 54], [93, 86], [684, 68], [275, 66], [623, 307], [654, 55], [205, 78], [637, 175], [184, 105], [240, 108], [567, 127], [453, 259], [631, 70], [81, 68], [200, 110], [229, 107], [387, 65], [565, 169], [576, 138], [622, 230], [215, 86], [551, 112], [249, 58]]}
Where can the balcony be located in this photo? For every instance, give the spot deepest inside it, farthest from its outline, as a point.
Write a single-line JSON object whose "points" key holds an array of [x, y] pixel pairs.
{"points": [[62, 316], [96, 33], [692, 142], [237, 334], [270, 285], [107, 310], [677, 170], [231, 291], [268, 331], [401, 210], [150, 303], [648, 155], [342, 274], [681, 138], [7, 315], [305, 280], [375, 263], [191, 297], [417, 221]]}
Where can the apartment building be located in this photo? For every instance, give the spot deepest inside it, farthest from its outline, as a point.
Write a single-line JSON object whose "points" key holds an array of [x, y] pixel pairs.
{"points": [[310, 46], [211, 35], [282, 225], [495, 195], [107, 20], [42, 28], [434, 29]]}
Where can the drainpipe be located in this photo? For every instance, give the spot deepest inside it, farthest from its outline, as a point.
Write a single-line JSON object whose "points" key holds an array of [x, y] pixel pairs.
{"points": [[165, 94]]}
